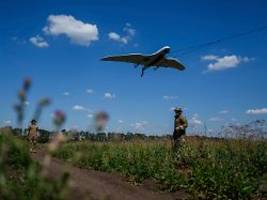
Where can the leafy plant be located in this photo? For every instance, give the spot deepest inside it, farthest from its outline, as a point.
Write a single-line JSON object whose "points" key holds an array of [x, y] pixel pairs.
{"points": [[20, 176]]}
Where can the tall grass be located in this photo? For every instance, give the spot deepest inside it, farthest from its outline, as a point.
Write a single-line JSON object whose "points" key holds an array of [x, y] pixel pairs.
{"points": [[20, 176], [207, 169]]}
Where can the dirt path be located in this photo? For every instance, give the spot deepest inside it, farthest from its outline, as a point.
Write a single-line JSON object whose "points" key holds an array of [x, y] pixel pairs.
{"points": [[91, 184]]}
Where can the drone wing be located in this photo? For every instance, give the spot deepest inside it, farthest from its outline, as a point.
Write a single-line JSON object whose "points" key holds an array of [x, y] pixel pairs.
{"points": [[172, 63], [131, 58]]}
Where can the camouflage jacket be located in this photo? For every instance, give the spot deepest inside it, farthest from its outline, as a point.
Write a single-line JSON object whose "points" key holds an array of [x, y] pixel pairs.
{"points": [[32, 130], [180, 123]]}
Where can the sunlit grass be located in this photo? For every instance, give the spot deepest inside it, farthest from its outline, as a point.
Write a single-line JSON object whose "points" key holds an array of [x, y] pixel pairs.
{"points": [[207, 169]]}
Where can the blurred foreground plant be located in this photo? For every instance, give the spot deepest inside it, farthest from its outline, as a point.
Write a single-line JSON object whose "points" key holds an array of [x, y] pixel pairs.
{"points": [[101, 119], [22, 102], [56, 140], [22, 97], [40, 106], [20, 177]]}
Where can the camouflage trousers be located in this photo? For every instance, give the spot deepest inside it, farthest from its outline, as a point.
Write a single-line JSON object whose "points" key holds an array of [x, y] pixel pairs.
{"points": [[178, 140], [33, 141], [178, 143]]}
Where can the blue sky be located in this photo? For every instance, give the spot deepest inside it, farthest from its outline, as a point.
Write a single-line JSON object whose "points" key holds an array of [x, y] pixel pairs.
{"points": [[59, 45]]}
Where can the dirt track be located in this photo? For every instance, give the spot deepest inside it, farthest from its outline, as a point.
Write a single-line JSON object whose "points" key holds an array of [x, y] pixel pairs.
{"points": [[90, 184]]}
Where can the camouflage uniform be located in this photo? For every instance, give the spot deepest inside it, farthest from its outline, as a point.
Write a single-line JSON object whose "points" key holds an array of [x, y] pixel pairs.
{"points": [[32, 133], [180, 125]]}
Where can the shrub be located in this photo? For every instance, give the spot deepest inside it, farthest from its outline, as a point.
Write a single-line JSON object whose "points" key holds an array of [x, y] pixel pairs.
{"points": [[20, 177]]}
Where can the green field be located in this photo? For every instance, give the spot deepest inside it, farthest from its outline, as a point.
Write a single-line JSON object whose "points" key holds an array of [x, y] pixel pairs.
{"points": [[205, 168]]}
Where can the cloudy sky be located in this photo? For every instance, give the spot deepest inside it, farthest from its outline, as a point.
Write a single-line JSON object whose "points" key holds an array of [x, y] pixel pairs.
{"points": [[59, 45]]}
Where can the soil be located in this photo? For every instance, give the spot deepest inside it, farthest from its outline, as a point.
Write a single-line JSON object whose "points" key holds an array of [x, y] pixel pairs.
{"points": [[91, 184]]}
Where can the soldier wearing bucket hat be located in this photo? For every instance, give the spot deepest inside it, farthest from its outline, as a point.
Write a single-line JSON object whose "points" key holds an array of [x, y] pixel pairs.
{"points": [[180, 125], [33, 134]]}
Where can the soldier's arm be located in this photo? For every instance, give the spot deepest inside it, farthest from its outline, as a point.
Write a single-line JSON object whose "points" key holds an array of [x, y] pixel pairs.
{"points": [[185, 122], [176, 125]]}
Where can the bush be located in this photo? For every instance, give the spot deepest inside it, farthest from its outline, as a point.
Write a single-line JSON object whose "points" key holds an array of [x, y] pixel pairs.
{"points": [[20, 177]]}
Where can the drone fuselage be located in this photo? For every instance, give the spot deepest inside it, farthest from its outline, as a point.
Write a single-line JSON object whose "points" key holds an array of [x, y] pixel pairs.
{"points": [[157, 57]]}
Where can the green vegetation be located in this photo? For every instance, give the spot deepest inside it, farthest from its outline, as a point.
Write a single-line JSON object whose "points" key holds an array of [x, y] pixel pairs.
{"points": [[20, 176], [206, 168]]}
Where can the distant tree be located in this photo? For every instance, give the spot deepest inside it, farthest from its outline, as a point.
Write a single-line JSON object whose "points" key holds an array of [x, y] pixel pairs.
{"points": [[101, 137], [44, 136], [139, 136], [129, 136]]}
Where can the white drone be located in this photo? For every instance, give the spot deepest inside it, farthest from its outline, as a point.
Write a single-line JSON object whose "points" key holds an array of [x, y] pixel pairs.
{"points": [[157, 59]]}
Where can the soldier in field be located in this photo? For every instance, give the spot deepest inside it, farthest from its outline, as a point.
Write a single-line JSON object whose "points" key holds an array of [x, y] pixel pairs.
{"points": [[33, 134], [180, 125]]}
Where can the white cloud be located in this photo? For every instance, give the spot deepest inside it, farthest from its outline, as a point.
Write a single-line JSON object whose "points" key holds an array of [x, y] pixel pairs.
{"points": [[81, 108], [129, 30], [140, 125], [78, 32], [18, 40], [78, 108], [215, 119], [66, 93], [120, 121], [90, 115], [170, 97], [38, 41], [209, 57], [109, 95], [129, 34], [224, 112], [195, 120], [26, 103], [116, 37], [225, 62], [7, 122], [89, 91], [257, 111]]}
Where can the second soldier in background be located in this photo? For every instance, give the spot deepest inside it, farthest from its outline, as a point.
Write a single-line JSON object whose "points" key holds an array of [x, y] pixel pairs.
{"points": [[32, 135]]}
